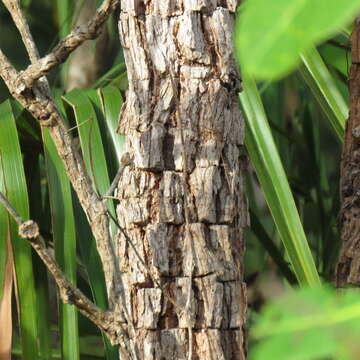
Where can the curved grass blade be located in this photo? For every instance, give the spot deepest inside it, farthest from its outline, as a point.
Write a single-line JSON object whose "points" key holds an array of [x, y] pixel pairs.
{"points": [[16, 192], [113, 75], [323, 86], [91, 141], [64, 236], [109, 148], [112, 101], [267, 163]]}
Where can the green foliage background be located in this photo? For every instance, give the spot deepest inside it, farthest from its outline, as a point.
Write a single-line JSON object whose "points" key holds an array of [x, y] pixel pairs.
{"points": [[295, 127]]}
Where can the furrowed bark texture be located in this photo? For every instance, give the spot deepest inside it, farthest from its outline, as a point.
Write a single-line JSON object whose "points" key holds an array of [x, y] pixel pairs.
{"points": [[348, 267], [194, 38]]}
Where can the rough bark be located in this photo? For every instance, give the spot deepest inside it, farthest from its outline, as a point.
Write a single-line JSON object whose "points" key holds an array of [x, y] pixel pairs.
{"points": [[188, 43], [348, 267]]}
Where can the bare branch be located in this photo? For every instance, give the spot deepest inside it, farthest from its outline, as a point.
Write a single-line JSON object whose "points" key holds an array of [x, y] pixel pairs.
{"points": [[69, 294], [37, 100], [126, 160], [67, 45]]}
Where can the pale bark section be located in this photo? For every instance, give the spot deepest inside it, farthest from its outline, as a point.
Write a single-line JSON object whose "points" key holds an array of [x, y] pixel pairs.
{"points": [[195, 38]]}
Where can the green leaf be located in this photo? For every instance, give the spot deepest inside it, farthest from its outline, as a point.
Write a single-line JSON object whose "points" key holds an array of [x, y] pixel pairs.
{"points": [[309, 323], [91, 142], [338, 57], [4, 230], [32, 164], [64, 237], [115, 75], [271, 248], [323, 86], [16, 193], [96, 164], [265, 158], [111, 101], [270, 35]]}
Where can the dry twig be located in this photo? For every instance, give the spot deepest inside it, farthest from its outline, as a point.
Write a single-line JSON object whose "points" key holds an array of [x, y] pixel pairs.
{"points": [[69, 294]]}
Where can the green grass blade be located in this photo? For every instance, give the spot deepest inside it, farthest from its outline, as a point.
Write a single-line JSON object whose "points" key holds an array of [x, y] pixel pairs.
{"points": [[93, 267], [16, 192], [64, 9], [4, 230], [91, 141], [270, 247], [90, 138], [64, 236], [96, 163], [267, 163], [33, 177], [112, 160], [112, 101], [113, 75], [324, 88]]}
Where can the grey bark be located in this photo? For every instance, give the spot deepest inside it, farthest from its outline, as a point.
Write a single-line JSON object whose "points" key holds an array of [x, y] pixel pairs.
{"points": [[190, 41]]}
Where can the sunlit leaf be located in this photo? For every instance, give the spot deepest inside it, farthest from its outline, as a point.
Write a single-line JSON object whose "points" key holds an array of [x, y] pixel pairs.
{"points": [[270, 35], [309, 324]]}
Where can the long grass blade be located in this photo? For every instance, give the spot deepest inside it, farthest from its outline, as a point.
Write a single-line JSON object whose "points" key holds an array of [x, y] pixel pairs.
{"points": [[323, 86], [267, 163], [90, 141], [111, 101], [64, 236], [270, 247], [16, 192], [33, 177], [96, 163]]}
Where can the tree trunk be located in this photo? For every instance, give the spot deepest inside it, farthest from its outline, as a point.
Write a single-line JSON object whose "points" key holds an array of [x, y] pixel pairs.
{"points": [[182, 78], [348, 267]]}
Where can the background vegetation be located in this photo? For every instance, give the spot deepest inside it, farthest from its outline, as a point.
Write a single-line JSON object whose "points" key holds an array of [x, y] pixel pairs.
{"points": [[292, 181]]}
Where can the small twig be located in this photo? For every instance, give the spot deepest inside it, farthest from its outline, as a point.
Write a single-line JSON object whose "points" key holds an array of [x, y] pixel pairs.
{"points": [[70, 43], [38, 101], [78, 125], [69, 294], [125, 161], [142, 262]]}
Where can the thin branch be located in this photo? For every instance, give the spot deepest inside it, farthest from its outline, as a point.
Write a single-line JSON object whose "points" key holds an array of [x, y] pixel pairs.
{"points": [[38, 101], [125, 161], [66, 46], [69, 294]]}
